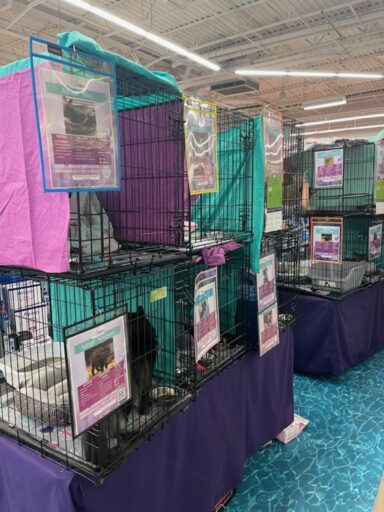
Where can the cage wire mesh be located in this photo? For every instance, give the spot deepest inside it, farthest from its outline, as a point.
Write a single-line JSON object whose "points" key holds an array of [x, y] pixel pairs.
{"points": [[285, 247], [155, 209], [340, 178], [294, 189], [37, 316], [361, 265]]}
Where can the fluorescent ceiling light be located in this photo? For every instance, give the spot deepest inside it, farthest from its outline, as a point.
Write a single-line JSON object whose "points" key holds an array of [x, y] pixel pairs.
{"points": [[259, 72], [81, 4], [359, 75], [341, 120], [334, 102], [332, 130], [309, 74], [326, 74]]}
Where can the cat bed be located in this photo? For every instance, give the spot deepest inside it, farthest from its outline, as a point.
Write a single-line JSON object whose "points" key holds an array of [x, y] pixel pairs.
{"points": [[45, 396]]}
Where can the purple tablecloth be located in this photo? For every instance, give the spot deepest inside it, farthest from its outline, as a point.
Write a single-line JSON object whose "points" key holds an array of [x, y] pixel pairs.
{"points": [[187, 466], [331, 336]]}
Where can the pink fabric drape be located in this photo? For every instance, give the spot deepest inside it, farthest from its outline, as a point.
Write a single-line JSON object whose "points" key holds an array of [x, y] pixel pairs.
{"points": [[33, 224]]}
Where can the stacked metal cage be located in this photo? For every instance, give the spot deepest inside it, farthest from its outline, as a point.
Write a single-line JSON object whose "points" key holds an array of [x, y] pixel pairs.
{"points": [[41, 312], [354, 193], [286, 243], [283, 246], [131, 263], [347, 197], [155, 210]]}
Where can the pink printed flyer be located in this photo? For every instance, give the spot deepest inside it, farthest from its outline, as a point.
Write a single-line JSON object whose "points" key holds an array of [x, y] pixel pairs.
{"points": [[78, 131], [266, 282], [327, 240], [268, 329], [99, 372], [201, 146], [206, 313], [375, 241], [329, 168]]}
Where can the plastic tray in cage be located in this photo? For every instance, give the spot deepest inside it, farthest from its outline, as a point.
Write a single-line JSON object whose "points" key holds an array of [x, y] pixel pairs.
{"points": [[342, 277]]}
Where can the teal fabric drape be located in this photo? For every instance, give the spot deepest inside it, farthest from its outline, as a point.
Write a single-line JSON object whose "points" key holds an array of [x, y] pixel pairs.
{"points": [[212, 213]]}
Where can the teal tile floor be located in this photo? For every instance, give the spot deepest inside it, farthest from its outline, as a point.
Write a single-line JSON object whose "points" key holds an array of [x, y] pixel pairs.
{"points": [[336, 464]]}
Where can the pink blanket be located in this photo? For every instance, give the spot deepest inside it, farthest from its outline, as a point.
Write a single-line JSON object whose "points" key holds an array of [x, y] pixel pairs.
{"points": [[33, 224]]}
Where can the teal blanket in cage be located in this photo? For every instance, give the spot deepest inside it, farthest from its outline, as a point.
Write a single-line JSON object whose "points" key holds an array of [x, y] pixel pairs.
{"points": [[88, 45], [71, 304]]}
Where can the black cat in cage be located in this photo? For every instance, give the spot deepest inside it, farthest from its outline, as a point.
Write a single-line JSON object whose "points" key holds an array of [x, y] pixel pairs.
{"points": [[143, 353], [143, 344]]}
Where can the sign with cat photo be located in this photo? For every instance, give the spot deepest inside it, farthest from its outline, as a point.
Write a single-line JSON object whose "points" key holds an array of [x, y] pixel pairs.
{"points": [[206, 313], [266, 282], [76, 116], [268, 322], [98, 371]]}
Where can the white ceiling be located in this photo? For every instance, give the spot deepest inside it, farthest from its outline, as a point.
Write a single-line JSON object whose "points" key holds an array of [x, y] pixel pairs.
{"points": [[273, 34]]}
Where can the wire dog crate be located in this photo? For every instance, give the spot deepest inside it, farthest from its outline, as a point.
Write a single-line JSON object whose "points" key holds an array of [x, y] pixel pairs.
{"points": [[340, 178], [359, 264], [293, 187], [294, 190], [274, 286], [61, 349], [155, 209]]}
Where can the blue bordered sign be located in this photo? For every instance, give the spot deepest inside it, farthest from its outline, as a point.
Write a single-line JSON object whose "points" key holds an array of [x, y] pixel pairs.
{"points": [[76, 114]]}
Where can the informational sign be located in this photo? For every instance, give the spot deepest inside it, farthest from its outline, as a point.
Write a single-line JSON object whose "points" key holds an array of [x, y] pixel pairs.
{"points": [[266, 282], [76, 114], [206, 312], [273, 221], [99, 372], [78, 130], [273, 159], [327, 240], [268, 322], [273, 138], [200, 128], [380, 176], [375, 237], [329, 168]]}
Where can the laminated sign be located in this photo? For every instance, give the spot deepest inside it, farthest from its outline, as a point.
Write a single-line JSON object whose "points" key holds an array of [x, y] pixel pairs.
{"points": [[201, 146], [273, 170], [76, 119]]}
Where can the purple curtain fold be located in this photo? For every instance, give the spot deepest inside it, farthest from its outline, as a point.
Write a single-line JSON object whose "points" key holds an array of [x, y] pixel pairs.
{"points": [[153, 203], [331, 336]]}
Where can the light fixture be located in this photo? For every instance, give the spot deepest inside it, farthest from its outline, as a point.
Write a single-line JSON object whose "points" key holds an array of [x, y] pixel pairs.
{"points": [[309, 74], [334, 130], [282, 96], [341, 120], [81, 4], [331, 102]]}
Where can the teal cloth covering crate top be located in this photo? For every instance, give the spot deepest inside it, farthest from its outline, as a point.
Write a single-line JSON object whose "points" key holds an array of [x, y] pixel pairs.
{"points": [[256, 155]]}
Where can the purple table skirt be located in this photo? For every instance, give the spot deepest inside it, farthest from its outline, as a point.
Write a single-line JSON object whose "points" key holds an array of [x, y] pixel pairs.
{"points": [[187, 466], [331, 336]]}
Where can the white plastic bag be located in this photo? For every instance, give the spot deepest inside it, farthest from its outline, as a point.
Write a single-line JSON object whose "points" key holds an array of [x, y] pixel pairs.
{"points": [[95, 228]]}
